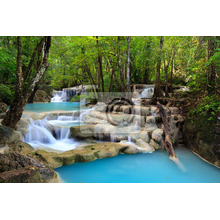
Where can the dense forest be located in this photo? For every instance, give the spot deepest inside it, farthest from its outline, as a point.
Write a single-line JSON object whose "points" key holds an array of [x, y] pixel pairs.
{"points": [[116, 62]]}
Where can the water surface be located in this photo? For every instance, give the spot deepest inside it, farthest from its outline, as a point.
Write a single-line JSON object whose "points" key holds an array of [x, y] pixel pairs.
{"points": [[142, 168], [54, 106]]}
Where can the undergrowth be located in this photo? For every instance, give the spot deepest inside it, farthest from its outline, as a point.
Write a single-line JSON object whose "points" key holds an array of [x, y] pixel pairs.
{"points": [[209, 105]]}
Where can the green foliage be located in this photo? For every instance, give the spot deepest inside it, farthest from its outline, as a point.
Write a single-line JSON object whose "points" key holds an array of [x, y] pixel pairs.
{"points": [[6, 95], [184, 56], [208, 105]]}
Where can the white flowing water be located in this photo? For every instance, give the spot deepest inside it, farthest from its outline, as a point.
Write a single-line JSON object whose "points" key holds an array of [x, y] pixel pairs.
{"points": [[148, 92], [54, 134], [57, 97]]}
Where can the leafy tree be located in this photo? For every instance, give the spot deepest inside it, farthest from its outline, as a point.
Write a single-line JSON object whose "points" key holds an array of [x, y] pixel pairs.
{"points": [[26, 80]]}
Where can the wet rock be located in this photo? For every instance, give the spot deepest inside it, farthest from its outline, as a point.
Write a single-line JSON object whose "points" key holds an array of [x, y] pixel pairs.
{"points": [[48, 89], [82, 131], [8, 136], [23, 125], [101, 107], [41, 96], [157, 135], [91, 120], [131, 150], [145, 147], [3, 107], [20, 147], [15, 161], [38, 116], [155, 144], [28, 174], [145, 136]]}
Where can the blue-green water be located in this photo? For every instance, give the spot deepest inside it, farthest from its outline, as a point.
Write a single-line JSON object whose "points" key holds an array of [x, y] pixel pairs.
{"points": [[142, 168], [53, 106], [139, 168]]}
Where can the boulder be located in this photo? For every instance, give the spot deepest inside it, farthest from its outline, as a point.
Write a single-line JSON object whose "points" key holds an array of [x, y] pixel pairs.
{"points": [[48, 89], [97, 114], [82, 131], [20, 147], [101, 107], [157, 135], [155, 144], [87, 119], [19, 164], [38, 116], [135, 135], [150, 127], [23, 125], [3, 107], [91, 152], [131, 149], [145, 136], [41, 96], [29, 174], [8, 136], [144, 147]]}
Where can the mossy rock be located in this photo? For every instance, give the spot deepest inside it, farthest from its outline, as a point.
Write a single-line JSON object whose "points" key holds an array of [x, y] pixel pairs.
{"points": [[41, 96]]}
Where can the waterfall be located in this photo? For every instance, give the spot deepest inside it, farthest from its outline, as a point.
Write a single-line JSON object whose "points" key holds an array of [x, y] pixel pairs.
{"points": [[57, 97], [39, 131], [67, 93], [52, 134], [148, 92]]}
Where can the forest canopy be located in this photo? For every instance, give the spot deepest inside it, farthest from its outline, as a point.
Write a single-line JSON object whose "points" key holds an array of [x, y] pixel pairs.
{"points": [[191, 61]]}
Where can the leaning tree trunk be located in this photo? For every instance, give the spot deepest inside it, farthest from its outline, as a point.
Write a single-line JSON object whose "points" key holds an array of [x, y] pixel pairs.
{"points": [[168, 139]]}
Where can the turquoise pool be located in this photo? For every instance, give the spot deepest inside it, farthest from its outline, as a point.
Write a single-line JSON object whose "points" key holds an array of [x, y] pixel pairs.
{"points": [[53, 106], [142, 168]]}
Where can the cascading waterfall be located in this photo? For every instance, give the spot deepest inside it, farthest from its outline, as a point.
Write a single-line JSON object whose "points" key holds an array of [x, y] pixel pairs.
{"points": [[148, 92], [67, 93], [57, 97], [52, 134], [39, 131]]}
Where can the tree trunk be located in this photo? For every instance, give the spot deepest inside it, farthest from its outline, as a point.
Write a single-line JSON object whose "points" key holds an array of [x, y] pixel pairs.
{"points": [[100, 74], [114, 76], [120, 68], [166, 81], [168, 139], [157, 89], [31, 98], [25, 83], [128, 67], [211, 67], [171, 76]]}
